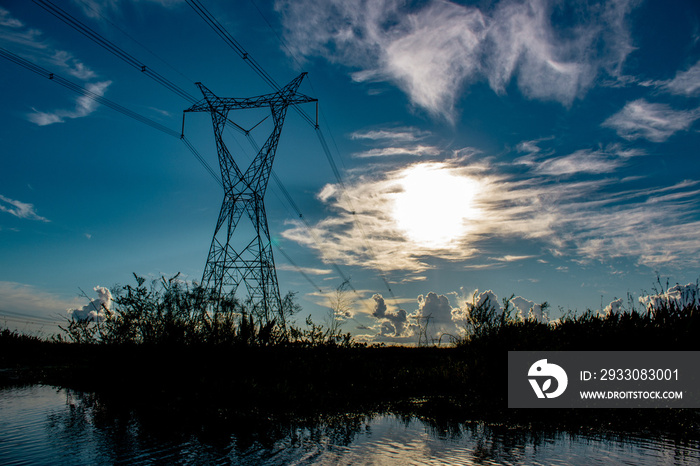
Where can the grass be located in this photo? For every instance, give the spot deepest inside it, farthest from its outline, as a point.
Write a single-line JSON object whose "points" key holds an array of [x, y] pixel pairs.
{"points": [[173, 350]]}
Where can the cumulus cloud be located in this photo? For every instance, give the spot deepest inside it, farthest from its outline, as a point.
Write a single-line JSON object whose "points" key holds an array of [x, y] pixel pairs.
{"points": [[96, 310], [434, 318], [653, 121], [84, 106], [19, 209], [434, 50], [528, 310], [393, 323], [464, 316], [678, 296], [431, 320], [615, 307]]}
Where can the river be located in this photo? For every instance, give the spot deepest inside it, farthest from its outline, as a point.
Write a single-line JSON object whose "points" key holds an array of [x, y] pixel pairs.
{"points": [[41, 424]]}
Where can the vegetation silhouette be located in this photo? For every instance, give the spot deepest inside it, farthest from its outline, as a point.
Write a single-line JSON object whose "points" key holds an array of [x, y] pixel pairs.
{"points": [[172, 349]]}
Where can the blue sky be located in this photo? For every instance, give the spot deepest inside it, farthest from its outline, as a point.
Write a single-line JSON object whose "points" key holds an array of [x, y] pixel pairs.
{"points": [[537, 148]]}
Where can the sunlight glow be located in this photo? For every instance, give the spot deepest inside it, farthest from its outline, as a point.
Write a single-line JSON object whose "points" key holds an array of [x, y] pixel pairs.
{"points": [[435, 205]]}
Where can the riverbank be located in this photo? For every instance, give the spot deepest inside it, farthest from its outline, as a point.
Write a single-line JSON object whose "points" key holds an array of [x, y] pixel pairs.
{"points": [[218, 384]]}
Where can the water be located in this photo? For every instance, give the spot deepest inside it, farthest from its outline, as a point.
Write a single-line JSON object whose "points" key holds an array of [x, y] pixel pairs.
{"points": [[46, 425]]}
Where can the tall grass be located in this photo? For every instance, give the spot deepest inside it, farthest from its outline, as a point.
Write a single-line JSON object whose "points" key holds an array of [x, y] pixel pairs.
{"points": [[173, 312], [170, 311], [667, 326]]}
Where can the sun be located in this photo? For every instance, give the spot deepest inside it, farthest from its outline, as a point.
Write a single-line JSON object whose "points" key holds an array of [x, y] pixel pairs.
{"points": [[435, 205]]}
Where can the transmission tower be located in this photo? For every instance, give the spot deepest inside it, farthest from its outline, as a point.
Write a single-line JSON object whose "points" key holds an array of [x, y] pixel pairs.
{"points": [[249, 260]]}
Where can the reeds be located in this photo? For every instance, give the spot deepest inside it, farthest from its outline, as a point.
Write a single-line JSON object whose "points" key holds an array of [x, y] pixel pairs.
{"points": [[173, 312]]}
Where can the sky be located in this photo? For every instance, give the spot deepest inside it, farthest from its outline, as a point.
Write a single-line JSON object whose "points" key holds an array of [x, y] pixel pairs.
{"points": [[545, 150]]}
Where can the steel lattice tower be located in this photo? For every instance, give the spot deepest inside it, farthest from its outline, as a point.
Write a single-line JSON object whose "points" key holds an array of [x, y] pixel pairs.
{"points": [[252, 264]]}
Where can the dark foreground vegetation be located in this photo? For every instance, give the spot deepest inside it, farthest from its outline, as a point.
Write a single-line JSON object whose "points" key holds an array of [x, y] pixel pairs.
{"points": [[175, 354]]}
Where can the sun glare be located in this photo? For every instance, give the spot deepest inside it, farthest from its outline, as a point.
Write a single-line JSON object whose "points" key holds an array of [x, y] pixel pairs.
{"points": [[435, 205]]}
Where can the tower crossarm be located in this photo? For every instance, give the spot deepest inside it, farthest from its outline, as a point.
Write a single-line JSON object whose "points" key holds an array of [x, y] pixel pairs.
{"points": [[285, 96], [247, 259]]}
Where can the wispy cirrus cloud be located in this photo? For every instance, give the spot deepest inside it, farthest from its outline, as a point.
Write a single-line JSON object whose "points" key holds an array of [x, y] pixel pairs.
{"points": [[401, 134], [685, 82], [31, 44], [84, 106], [595, 219], [20, 209], [394, 142], [18, 298], [416, 150], [653, 121], [100, 8], [306, 270], [435, 50], [583, 161]]}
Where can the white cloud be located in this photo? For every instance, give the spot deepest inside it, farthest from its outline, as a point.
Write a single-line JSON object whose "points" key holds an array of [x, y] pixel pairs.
{"points": [[96, 310], [427, 323], [675, 298], [76, 68], [100, 8], [512, 258], [84, 106], [686, 82], [392, 322], [31, 44], [463, 316], [417, 150], [678, 296], [435, 306], [306, 270], [434, 50], [615, 307], [596, 219], [526, 309], [395, 141], [19, 209], [581, 161], [23, 298], [404, 134], [532, 146], [653, 121]]}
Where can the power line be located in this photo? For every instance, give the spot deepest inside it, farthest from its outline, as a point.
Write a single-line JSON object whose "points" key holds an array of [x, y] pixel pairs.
{"points": [[299, 214], [17, 315], [112, 48], [102, 100], [96, 12], [220, 30], [138, 65], [29, 321], [123, 110], [143, 68]]}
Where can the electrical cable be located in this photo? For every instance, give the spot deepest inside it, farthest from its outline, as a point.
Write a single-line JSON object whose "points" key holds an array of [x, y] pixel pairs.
{"points": [[112, 48], [220, 30]]}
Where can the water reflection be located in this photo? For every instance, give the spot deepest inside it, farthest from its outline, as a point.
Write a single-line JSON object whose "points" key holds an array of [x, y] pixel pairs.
{"points": [[41, 424]]}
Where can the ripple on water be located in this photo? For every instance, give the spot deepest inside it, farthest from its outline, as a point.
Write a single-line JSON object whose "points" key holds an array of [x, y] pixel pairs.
{"points": [[47, 425]]}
